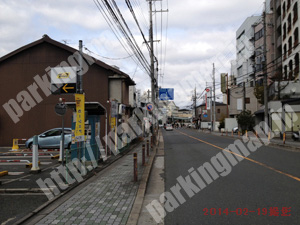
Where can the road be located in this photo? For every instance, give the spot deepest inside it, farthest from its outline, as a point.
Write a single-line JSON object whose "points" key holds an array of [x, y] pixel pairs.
{"points": [[263, 188]]}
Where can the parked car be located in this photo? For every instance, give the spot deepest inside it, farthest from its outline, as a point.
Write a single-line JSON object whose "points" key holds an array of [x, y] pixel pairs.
{"points": [[51, 138], [169, 127]]}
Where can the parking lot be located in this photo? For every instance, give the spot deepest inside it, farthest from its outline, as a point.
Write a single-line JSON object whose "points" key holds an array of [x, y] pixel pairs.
{"points": [[20, 194]]}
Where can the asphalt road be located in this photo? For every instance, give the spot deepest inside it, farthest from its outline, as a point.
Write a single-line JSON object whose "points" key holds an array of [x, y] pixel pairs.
{"points": [[256, 190]]}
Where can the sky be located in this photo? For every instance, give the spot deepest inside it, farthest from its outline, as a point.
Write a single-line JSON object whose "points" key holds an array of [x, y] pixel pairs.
{"points": [[190, 36]]}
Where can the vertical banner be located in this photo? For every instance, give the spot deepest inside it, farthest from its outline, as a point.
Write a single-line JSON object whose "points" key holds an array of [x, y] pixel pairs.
{"points": [[80, 111]]}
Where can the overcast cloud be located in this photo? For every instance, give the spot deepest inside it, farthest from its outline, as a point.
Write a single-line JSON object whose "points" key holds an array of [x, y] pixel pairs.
{"points": [[200, 32]]}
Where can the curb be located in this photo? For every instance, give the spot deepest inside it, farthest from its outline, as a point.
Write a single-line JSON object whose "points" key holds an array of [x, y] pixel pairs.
{"points": [[90, 175], [22, 190], [138, 203]]}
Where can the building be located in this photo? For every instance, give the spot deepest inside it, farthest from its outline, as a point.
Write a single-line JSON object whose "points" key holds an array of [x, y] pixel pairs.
{"points": [[27, 103], [205, 115], [244, 56]]}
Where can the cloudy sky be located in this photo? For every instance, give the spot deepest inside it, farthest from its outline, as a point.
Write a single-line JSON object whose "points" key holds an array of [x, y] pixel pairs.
{"points": [[192, 35]]}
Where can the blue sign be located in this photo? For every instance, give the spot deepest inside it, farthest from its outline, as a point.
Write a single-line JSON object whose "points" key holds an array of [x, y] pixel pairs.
{"points": [[166, 94], [205, 115]]}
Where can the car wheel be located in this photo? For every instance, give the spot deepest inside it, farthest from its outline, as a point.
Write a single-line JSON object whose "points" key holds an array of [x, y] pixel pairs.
{"points": [[69, 145], [30, 146]]}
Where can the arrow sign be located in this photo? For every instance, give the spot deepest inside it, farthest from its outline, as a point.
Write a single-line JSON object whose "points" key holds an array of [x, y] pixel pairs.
{"points": [[65, 88]]}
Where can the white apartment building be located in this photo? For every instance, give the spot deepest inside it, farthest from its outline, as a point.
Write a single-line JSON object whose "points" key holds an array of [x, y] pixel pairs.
{"points": [[243, 66]]}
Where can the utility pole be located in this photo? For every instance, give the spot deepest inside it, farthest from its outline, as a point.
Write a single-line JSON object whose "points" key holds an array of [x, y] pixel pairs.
{"points": [[152, 68], [265, 74], [80, 89], [227, 100], [244, 96], [195, 102], [214, 86]]}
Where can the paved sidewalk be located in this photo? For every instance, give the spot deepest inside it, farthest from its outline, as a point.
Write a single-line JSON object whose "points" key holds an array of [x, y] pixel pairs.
{"points": [[106, 200]]}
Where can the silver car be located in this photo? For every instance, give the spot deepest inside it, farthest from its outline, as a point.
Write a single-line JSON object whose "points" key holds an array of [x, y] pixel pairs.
{"points": [[51, 138]]}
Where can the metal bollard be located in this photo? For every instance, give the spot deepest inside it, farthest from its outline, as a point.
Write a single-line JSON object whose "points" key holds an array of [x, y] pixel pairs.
{"points": [[239, 133], [284, 138], [35, 154], [135, 172], [148, 148], [143, 155], [269, 136], [232, 133], [246, 134]]}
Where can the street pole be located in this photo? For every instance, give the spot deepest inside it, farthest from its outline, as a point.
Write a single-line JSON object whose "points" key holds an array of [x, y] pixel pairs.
{"points": [[265, 75], [227, 95], [244, 96], [152, 68], [214, 83], [80, 68]]}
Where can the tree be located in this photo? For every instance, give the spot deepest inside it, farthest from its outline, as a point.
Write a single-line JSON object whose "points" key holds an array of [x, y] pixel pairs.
{"points": [[259, 93], [245, 120]]}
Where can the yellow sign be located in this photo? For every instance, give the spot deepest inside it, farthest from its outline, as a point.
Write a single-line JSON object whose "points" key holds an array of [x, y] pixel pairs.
{"points": [[63, 75], [113, 122], [80, 111]]}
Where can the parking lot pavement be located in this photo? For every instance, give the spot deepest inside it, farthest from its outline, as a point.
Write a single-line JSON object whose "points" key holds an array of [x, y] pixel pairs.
{"points": [[106, 198], [19, 192]]}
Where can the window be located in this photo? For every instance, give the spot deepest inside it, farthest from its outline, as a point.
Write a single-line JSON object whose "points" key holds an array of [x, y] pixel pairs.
{"points": [[283, 10], [285, 73], [289, 23], [296, 37], [53, 133], [259, 34], [284, 31], [288, 4], [295, 11], [219, 110], [247, 100], [290, 45], [284, 51], [296, 71], [290, 70]]}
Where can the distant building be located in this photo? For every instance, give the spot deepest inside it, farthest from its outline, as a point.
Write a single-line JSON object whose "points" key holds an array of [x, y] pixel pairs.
{"points": [[204, 115]]}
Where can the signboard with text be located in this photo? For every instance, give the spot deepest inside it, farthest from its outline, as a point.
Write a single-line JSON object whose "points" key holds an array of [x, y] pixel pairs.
{"points": [[63, 80], [80, 114]]}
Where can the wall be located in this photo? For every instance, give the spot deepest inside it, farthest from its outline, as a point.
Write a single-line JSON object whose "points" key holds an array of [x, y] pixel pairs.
{"points": [[17, 73]]}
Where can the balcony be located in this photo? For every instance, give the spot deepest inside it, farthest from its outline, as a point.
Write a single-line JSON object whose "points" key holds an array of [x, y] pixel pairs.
{"points": [[290, 51], [289, 28]]}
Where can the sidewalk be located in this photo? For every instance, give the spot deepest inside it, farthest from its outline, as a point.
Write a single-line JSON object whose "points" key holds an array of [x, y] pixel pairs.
{"points": [[274, 141], [107, 198]]}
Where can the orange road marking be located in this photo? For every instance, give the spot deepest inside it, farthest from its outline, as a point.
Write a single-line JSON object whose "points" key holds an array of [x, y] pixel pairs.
{"points": [[251, 160]]}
